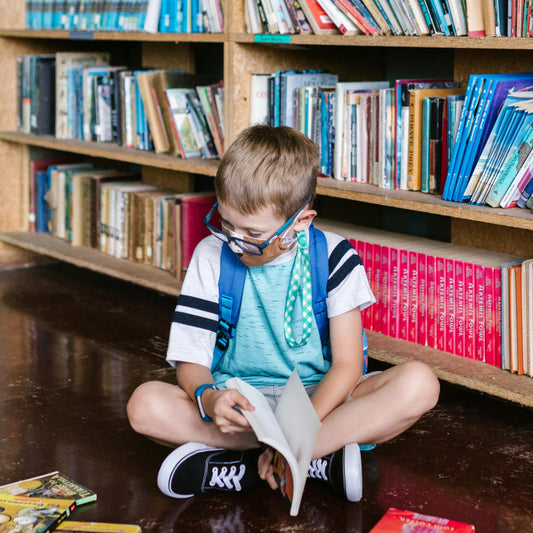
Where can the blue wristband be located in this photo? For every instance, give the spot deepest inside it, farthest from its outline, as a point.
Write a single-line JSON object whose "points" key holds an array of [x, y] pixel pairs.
{"points": [[198, 394]]}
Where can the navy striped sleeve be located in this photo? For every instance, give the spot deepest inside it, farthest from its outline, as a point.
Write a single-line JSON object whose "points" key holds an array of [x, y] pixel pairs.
{"points": [[342, 261], [196, 312]]}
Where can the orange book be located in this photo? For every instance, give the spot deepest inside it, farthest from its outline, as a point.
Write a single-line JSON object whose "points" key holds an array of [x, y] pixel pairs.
{"points": [[396, 521]]}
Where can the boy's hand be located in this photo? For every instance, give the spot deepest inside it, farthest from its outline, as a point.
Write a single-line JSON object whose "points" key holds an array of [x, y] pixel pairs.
{"points": [[224, 407], [265, 468]]}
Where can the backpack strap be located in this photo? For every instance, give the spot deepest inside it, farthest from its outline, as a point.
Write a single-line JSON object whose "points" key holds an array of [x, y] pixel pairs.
{"points": [[230, 287], [318, 258]]}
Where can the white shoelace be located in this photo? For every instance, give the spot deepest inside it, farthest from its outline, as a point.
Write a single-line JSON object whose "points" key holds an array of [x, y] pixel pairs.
{"points": [[227, 477], [317, 469]]}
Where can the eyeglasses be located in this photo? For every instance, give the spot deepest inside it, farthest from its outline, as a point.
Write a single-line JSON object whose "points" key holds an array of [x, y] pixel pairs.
{"points": [[246, 243]]}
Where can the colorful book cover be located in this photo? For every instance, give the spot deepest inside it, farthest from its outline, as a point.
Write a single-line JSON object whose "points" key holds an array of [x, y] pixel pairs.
{"points": [[440, 280], [412, 332], [422, 299], [368, 262], [376, 319], [19, 513], [397, 521], [498, 317], [470, 312]]}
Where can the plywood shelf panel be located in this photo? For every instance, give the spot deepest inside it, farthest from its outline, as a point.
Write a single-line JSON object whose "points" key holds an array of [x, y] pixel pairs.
{"points": [[143, 275]]}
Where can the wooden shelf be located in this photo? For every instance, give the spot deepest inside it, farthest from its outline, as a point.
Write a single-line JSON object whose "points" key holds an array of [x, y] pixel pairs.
{"points": [[451, 368], [384, 41], [144, 275], [426, 203], [207, 167], [75, 35], [454, 369]]}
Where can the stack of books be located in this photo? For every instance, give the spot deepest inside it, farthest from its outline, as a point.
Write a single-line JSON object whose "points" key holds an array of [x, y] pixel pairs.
{"points": [[78, 95], [189, 16]]}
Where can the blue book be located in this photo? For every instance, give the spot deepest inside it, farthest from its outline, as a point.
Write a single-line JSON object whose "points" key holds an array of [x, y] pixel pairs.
{"points": [[440, 15], [472, 93], [426, 126], [41, 206]]}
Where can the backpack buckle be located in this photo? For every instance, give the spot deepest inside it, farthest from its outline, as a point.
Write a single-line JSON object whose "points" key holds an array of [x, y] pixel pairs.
{"points": [[224, 334]]}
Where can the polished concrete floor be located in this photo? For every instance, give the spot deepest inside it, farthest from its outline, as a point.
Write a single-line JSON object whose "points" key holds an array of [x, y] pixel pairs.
{"points": [[74, 345]]}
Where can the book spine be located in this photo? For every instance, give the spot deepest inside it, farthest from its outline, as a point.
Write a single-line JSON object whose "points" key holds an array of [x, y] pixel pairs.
{"points": [[460, 315], [412, 334], [440, 281], [498, 322], [450, 305], [431, 304], [376, 319], [490, 355], [421, 307], [385, 288], [404, 294], [470, 312], [394, 294], [368, 261], [479, 276]]}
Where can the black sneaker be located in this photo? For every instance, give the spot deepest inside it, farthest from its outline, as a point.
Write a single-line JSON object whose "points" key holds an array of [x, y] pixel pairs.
{"points": [[196, 468], [342, 471]]}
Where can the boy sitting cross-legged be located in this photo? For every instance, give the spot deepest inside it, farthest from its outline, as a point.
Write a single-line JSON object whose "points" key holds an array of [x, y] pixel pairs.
{"points": [[265, 187]]}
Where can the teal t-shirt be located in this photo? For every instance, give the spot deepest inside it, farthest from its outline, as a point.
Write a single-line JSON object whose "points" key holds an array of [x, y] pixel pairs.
{"points": [[259, 353]]}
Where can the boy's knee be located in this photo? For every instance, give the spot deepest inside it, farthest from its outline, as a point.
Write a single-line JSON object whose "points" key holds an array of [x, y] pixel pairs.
{"points": [[423, 386], [139, 407]]}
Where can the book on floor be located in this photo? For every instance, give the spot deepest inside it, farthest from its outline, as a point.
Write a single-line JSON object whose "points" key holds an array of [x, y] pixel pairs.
{"points": [[399, 521], [97, 527], [53, 485], [19, 513], [291, 431]]}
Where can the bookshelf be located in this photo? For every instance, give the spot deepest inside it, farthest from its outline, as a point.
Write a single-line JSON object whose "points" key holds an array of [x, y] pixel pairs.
{"points": [[239, 55]]}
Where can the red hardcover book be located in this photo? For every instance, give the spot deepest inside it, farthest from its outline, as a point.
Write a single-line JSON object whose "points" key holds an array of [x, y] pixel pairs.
{"points": [[440, 281], [412, 330], [431, 305], [403, 317], [422, 299], [470, 312], [396, 521], [318, 19], [394, 294], [490, 355], [368, 261], [450, 306], [498, 317], [385, 290], [194, 209], [479, 291], [376, 319], [460, 315]]}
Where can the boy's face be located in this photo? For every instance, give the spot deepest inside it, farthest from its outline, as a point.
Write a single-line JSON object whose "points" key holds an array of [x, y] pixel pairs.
{"points": [[260, 226]]}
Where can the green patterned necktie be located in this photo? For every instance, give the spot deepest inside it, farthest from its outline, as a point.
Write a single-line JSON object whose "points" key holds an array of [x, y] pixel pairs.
{"points": [[300, 283]]}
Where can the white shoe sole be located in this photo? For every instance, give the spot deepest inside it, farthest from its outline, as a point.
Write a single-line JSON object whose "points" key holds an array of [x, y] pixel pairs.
{"points": [[353, 473], [173, 461]]}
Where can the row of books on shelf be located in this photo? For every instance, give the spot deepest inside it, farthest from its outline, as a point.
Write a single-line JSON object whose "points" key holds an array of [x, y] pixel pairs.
{"points": [[167, 16], [46, 503], [429, 135], [474, 18], [457, 299], [78, 95], [115, 212]]}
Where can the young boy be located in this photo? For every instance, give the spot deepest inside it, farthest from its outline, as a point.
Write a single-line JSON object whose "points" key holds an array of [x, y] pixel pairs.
{"points": [[265, 187]]}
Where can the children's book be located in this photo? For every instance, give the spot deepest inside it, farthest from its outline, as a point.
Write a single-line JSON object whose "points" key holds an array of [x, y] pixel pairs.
{"points": [[51, 485], [291, 431], [97, 527], [398, 521], [18, 513]]}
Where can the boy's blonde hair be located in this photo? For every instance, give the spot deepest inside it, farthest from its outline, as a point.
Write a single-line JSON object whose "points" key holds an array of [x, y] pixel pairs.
{"points": [[268, 166]]}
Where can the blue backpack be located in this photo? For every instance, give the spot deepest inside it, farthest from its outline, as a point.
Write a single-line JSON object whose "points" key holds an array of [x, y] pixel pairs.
{"points": [[231, 284]]}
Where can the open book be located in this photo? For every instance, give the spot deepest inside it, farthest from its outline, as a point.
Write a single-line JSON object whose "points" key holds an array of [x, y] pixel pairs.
{"points": [[291, 431]]}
